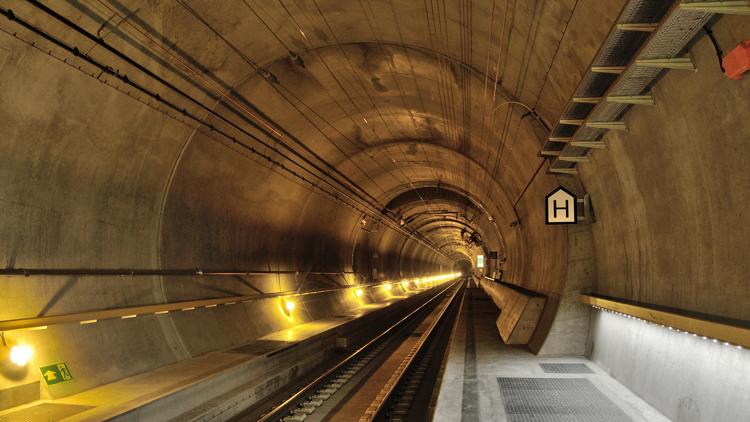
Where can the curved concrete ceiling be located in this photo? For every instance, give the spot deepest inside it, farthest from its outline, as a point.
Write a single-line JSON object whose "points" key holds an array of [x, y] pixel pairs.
{"points": [[290, 139], [261, 135]]}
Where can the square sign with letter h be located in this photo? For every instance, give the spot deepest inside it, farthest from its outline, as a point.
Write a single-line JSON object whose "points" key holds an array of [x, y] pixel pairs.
{"points": [[560, 207]]}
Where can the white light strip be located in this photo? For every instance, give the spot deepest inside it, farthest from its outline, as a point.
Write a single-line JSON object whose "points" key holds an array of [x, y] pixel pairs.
{"points": [[713, 340]]}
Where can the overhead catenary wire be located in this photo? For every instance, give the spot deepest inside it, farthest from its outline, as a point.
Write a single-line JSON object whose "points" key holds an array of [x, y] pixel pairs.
{"points": [[389, 62], [260, 126], [271, 78], [170, 86], [105, 69], [253, 64], [356, 76], [216, 90]]}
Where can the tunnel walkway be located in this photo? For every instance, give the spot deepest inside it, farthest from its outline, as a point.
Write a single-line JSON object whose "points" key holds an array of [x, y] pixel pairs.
{"points": [[485, 380], [223, 382]]}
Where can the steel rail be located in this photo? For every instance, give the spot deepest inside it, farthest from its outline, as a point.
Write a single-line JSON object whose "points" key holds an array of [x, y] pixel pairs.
{"points": [[279, 410], [385, 394]]}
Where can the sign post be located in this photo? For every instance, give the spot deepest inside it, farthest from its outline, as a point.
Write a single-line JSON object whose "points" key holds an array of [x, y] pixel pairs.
{"points": [[560, 207]]}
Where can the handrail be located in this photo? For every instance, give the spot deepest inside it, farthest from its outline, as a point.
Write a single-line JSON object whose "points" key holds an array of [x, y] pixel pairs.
{"points": [[713, 330]]}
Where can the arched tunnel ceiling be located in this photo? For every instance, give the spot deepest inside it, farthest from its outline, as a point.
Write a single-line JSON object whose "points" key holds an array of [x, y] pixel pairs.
{"points": [[448, 218], [389, 94], [284, 141]]}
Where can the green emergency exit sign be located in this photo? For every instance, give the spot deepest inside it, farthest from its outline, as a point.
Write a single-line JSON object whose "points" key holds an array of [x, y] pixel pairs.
{"points": [[57, 373]]}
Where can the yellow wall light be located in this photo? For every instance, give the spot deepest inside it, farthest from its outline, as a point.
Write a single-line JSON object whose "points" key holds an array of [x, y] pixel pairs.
{"points": [[387, 286], [359, 292], [288, 306], [21, 354]]}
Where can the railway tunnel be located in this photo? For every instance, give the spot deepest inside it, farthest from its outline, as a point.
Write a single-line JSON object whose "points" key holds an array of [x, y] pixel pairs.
{"points": [[345, 210]]}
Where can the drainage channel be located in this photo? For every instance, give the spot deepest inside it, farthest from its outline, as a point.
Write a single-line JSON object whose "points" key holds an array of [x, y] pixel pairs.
{"points": [[319, 398]]}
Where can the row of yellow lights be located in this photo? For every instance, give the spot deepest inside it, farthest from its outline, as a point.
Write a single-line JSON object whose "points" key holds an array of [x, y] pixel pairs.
{"points": [[21, 354], [289, 305], [677, 330]]}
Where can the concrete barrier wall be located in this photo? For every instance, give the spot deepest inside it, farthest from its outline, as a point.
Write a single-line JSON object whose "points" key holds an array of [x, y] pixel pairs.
{"points": [[686, 378]]}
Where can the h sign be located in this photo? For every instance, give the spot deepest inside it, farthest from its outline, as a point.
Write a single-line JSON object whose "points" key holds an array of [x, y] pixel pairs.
{"points": [[560, 207]]}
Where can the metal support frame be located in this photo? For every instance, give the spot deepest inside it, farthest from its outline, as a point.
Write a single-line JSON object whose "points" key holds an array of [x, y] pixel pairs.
{"points": [[741, 7], [678, 63], [589, 144], [615, 70], [574, 158], [647, 100], [571, 170], [637, 27], [607, 125]]}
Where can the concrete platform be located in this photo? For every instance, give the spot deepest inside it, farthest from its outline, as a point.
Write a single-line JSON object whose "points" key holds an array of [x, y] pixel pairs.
{"points": [[487, 380], [213, 386]]}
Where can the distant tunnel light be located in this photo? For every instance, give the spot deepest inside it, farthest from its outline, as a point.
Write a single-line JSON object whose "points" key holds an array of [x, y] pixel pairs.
{"points": [[20, 355], [289, 306], [480, 261]]}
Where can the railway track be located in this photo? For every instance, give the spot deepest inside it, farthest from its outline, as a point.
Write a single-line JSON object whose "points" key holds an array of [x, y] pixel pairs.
{"points": [[393, 377]]}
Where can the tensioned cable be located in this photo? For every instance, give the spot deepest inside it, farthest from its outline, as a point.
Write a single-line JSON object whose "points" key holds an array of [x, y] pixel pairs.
{"points": [[341, 87], [490, 133], [255, 66], [170, 86], [257, 15], [437, 30], [392, 71], [520, 84], [357, 76], [485, 104], [251, 63], [411, 64], [465, 20], [218, 90], [181, 111]]}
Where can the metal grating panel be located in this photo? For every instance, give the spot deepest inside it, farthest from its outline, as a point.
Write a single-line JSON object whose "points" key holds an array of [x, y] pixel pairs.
{"points": [[619, 48], [578, 110], [588, 134], [643, 11], [595, 84], [677, 28], [566, 368], [44, 412], [557, 399]]}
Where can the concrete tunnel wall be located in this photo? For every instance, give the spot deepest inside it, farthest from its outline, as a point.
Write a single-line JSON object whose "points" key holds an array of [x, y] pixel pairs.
{"points": [[95, 179], [671, 230], [100, 181]]}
